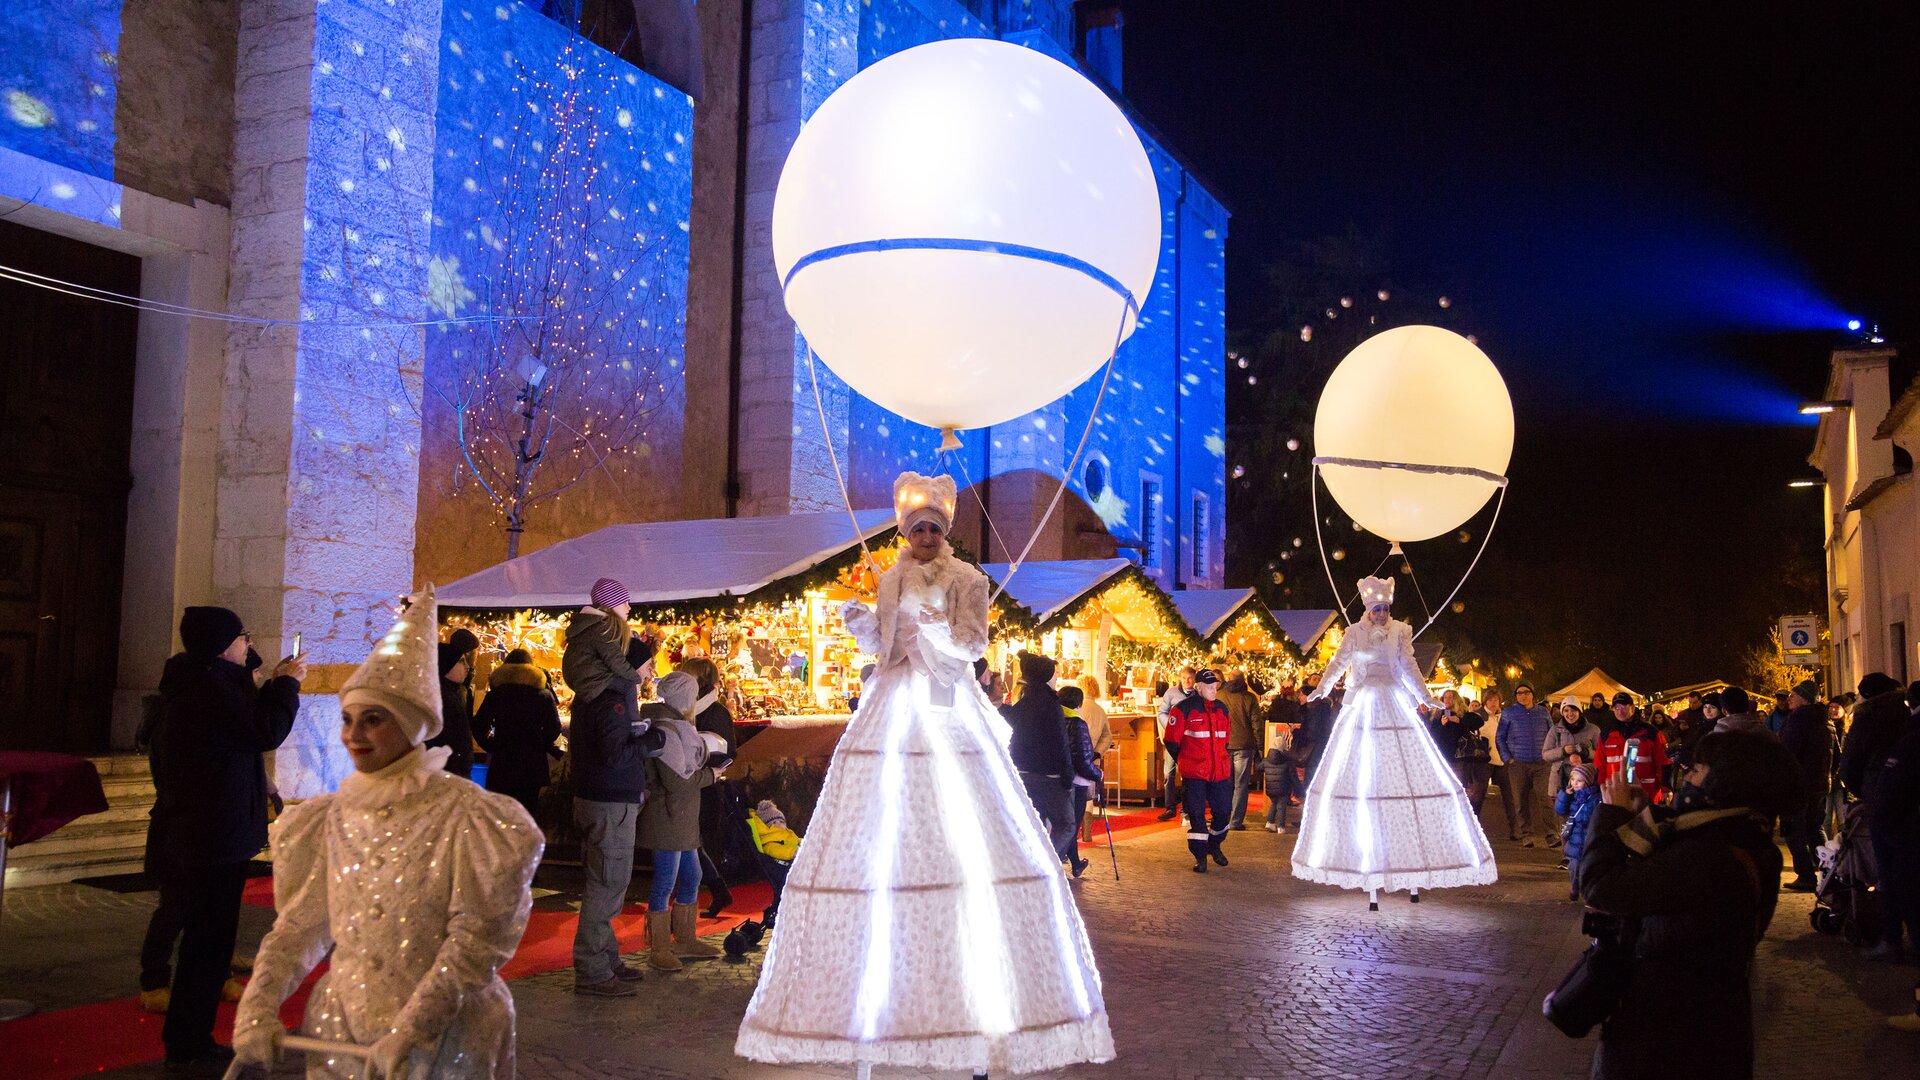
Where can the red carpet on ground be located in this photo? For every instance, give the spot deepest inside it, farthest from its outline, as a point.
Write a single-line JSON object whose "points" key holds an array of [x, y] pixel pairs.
{"points": [[115, 1034]]}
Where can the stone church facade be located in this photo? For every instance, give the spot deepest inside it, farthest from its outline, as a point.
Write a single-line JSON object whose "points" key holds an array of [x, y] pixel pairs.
{"points": [[330, 173]]}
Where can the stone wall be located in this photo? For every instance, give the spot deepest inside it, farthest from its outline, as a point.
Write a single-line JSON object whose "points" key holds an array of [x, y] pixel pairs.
{"points": [[174, 112]]}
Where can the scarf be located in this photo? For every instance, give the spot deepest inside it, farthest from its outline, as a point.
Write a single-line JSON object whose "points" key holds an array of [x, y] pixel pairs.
{"points": [[700, 707], [1648, 831]]}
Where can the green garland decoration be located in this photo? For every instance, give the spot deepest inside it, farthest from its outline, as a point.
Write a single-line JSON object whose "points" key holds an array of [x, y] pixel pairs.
{"points": [[1014, 616], [1156, 596]]}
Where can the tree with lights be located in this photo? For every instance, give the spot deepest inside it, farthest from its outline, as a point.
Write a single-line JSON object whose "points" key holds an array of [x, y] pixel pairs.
{"points": [[582, 351]]}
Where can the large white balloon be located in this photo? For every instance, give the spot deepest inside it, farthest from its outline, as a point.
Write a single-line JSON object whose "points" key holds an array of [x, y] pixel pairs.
{"points": [[1414, 395], [970, 140]]}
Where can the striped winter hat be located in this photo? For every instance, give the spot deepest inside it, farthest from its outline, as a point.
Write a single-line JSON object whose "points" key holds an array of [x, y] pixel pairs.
{"points": [[609, 594]]}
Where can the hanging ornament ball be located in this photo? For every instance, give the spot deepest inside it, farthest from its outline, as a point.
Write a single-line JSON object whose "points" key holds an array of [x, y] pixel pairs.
{"points": [[1346, 301], [1239, 471], [1376, 413], [1445, 303], [1251, 379], [1279, 578], [1242, 362], [1459, 606], [906, 172], [1293, 444], [1383, 294], [1465, 537], [1339, 555], [1332, 314], [1296, 541], [1306, 333]]}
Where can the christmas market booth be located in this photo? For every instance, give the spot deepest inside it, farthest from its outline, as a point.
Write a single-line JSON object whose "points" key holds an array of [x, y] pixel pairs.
{"points": [[1237, 631], [1313, 631], [760, 597], [1105, 618]]}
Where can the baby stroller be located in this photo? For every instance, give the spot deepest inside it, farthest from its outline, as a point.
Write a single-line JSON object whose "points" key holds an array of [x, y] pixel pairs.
{"points": [[1845, 901]]}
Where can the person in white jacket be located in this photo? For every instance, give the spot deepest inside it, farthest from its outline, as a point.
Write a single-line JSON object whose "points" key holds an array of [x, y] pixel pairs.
{"points": [[416, 880]]}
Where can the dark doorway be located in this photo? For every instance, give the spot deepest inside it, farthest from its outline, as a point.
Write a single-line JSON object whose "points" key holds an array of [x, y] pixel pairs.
{"points": [[66, 409]]}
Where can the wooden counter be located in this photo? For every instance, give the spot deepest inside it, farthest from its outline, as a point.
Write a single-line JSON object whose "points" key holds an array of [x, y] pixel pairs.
{"points": [[1137, 746]]}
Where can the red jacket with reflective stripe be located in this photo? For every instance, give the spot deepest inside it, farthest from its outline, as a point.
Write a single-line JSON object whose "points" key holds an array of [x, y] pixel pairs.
{"points": [[1198, 729]]}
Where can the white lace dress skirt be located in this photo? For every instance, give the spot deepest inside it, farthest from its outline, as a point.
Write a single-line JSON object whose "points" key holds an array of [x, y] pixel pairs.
{"points": [[925, 922], [1385, 811]]}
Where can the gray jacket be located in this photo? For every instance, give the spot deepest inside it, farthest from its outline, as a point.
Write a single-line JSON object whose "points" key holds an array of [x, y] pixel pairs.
{"points": [[595, 660], [1562, 741]]}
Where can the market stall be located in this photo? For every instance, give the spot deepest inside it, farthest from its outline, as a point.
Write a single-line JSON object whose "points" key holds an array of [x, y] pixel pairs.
{"points": [[1106, 618], [1237, 631]]}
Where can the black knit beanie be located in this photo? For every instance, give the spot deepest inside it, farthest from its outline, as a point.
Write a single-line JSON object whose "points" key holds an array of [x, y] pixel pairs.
{"points": [[207, 631]]}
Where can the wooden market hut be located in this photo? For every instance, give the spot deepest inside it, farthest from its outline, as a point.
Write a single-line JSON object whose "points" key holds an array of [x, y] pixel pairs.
{"points": [[1235, 628]]}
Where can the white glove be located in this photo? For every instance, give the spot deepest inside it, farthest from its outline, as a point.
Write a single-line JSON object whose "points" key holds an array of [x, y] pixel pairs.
{"points": [[254, 1050], [389, 1057]]}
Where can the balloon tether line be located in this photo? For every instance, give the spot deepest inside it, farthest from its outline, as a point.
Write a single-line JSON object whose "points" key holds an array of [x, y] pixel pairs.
{"points": [[1443, 470], [846, 500]]}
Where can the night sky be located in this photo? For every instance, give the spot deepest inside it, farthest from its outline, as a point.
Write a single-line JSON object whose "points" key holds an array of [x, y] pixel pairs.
{"points": [[1655, 218]]}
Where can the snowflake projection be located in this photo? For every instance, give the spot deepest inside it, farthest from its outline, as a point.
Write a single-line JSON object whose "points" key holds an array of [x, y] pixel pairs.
{"points": [[447, 291], [57, 90], [560, 209]]}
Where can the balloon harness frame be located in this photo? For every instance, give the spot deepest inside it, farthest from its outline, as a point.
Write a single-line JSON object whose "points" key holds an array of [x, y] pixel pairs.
{"points": [[949, 439], [1406, 563]]}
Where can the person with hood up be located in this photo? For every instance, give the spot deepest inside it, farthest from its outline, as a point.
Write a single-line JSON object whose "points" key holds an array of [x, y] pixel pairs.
{"points": [[608, 744], [1692, 890], [1650, 749], [456, 709], [209, 814], [1570, 742], [670, 820], [518, 725], [1806, 736], [413, 885]]}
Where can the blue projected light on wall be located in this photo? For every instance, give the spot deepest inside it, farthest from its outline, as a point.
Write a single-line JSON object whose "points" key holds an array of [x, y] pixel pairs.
{"points": [[57, 99], [562, 189]]}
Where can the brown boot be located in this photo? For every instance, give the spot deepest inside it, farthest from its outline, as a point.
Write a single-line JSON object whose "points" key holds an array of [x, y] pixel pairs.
{"points": [[686, 934], [660, 943]]}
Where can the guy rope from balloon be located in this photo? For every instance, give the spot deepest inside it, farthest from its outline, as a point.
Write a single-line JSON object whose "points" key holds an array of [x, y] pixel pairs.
{"points": [[1433, 470], [949, 441]]}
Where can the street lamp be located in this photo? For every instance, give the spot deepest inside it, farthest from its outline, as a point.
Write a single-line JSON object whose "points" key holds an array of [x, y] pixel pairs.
{"points": [[1821, 408], [1807, 482]]}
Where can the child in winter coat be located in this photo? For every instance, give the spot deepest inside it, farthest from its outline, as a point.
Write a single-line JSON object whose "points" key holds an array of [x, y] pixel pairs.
{"points": [[1576, 806], [777, 845], [1088, 775], [1282, 764]]}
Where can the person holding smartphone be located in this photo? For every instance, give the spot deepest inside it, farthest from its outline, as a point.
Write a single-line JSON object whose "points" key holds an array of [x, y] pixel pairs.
{"points": [[1634, 748]]}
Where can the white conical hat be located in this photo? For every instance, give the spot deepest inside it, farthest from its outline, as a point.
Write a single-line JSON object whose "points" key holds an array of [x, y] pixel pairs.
{"points": [[1376, 590], [403, 674]]}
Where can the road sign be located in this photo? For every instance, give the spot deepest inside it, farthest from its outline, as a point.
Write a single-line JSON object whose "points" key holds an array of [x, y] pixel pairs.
{"points": [[1800, 640]]}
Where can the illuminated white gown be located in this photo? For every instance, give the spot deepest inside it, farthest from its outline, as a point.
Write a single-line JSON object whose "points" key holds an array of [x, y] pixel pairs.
{"points": [[1385, 810], [925, 922]]}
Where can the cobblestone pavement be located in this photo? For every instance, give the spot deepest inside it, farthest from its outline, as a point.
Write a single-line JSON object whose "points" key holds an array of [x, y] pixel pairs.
{"points": [[1243, 972]]}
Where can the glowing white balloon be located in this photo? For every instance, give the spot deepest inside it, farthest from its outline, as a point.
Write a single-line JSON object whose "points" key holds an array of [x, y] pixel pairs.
{"points": [[984, 143], [1413, 395]]}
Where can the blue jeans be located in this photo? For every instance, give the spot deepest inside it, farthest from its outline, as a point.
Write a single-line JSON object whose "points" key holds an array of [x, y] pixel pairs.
{"points": [[676, 874], [1242, 784]]}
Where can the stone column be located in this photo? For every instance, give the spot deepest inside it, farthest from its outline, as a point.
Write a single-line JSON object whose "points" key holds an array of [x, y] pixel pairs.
{"points": [[320, 435]]}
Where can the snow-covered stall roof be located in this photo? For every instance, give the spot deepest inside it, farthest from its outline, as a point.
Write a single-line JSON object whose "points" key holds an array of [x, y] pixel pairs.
{"points": [[1045, 588], [1304, 627], [667, 561], [1209, 610]]}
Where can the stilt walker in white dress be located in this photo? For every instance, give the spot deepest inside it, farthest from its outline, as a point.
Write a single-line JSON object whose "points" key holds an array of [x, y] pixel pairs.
{"points": [[1385, 811], [926, 922]]}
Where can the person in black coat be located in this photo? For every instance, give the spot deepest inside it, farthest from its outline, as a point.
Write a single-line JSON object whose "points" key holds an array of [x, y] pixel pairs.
{"points": [[1040, 751], [1806, 736], [1692, 889], [456, 711], [210, 809], [1878, 722], [1089, 776], [1895, 821], [518, 724]]}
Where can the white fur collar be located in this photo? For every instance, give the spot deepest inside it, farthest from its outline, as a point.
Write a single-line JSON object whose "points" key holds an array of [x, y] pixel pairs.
{"points": [[408, 774]]}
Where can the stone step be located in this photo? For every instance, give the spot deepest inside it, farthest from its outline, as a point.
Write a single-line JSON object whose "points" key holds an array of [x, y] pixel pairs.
{"points": [[118, 765], [85, 835], [123, 788], [23, 870]]}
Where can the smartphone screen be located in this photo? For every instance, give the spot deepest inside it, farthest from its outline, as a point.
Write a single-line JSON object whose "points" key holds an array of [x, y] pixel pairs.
{"points": [[296, 644], [1632, 758]]}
